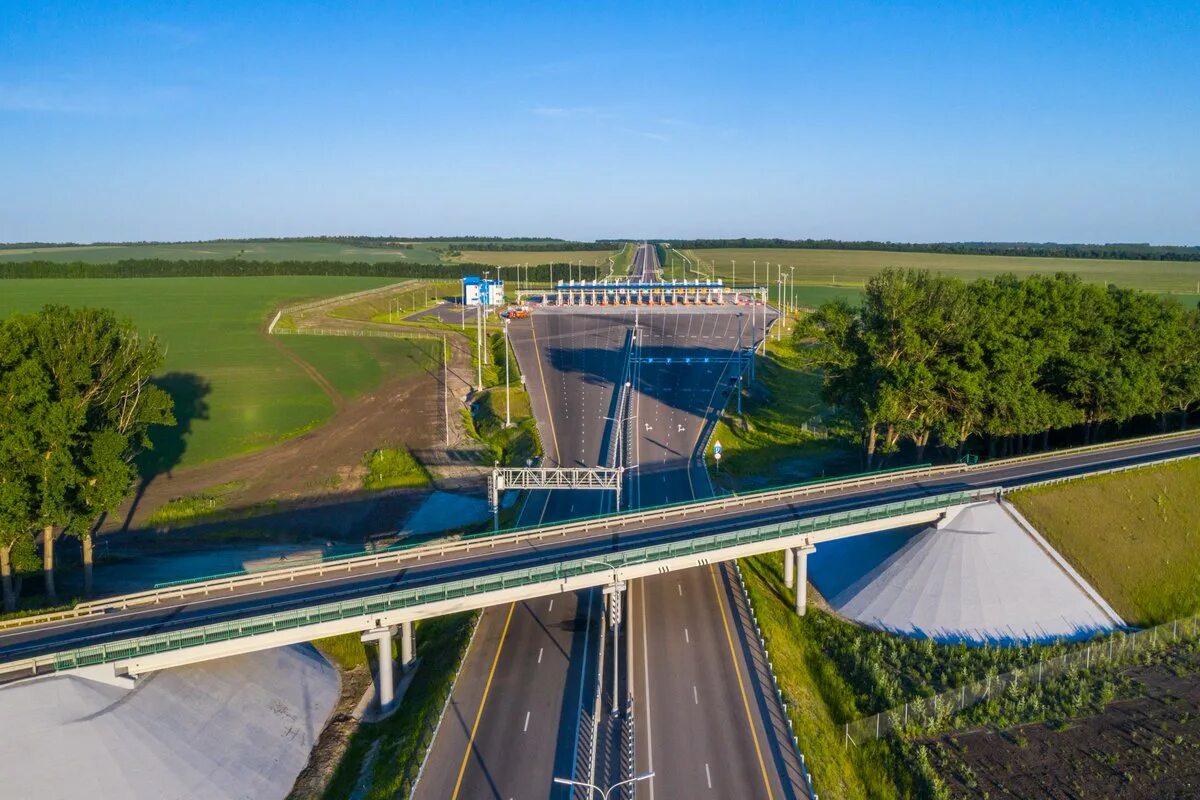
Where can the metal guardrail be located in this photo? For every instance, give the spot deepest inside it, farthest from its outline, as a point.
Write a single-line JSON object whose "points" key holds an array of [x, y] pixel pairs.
{"points": [[487, 540], [484, 541], [457, 589]]}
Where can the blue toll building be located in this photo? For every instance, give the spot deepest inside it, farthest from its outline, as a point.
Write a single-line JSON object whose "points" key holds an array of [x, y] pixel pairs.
{"points": [[482, 291]]}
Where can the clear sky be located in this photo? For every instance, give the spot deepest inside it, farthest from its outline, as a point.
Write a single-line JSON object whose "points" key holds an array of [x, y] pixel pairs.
{"points": [[905, 121]]}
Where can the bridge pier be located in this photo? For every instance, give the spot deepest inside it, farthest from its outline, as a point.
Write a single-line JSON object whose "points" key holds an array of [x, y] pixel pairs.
{"points": [[802, 577], [385, 689], [789, 568], [406, 646]]}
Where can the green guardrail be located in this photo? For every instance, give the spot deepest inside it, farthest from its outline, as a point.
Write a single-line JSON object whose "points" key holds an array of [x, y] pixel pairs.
{"points": [[406, 598], [484, 534]]}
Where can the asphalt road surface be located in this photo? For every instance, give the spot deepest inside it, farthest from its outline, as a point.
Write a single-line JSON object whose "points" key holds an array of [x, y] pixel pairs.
{"points": [[514, 718]]}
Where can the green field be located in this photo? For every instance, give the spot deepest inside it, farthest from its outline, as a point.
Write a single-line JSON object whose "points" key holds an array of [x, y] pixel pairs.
{"points": [[236, 389], [508, 258], [841, 271], [248, 251], [1134, 536]]}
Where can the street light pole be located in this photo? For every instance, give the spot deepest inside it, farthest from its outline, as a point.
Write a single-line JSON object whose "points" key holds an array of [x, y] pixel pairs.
{"points": [[507, 390], [479, 344], [446, 387], [739, 378], [792, 291]]}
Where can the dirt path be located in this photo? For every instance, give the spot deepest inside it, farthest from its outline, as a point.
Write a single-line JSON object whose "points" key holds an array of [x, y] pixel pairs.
{"points": [[316, 469], [320, 380]]}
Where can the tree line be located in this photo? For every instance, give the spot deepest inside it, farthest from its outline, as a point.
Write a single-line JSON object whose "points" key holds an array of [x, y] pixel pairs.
{"points": [[931, 359], [1122, 251], [238, 268], [373, 241], [75, 406]]}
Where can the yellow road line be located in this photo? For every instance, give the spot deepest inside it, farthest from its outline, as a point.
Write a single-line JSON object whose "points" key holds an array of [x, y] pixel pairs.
{"points": [[487, 687], [741, 686], [549, 411]]}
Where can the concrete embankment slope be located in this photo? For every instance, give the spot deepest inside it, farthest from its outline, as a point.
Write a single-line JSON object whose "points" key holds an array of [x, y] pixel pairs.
{"points": [[984, 575], [231, 729]]}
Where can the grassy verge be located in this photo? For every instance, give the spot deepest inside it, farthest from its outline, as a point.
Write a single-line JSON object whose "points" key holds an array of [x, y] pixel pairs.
{"points": [[775, 440], [819, 699], [347, 650], [833, 672], [183, 509], [1135, 536], [511, 446], [391, 467], [387, 755]]}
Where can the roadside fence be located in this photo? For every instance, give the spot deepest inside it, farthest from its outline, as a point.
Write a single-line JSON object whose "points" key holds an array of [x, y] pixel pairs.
{"points": [[937, 712], [406, 333]]}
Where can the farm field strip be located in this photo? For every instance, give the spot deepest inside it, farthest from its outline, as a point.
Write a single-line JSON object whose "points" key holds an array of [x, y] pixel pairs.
{"points": [[848, 269], [246, 251], [509, 258], [237, 390]]}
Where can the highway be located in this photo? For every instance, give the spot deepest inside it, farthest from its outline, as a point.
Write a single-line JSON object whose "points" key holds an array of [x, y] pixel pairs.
{"points": [[699, 707], [514, 717]]}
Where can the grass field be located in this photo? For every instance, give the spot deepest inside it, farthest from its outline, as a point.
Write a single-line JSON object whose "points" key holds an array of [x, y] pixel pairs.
{"points": [[773, 447], [509, 258], [1135, 536], [236, 389], [849, 269], [248, 251]]}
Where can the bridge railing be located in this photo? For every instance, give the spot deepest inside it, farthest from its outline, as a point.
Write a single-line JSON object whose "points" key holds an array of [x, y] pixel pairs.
{"points": [[468, 587], [405, 553]]}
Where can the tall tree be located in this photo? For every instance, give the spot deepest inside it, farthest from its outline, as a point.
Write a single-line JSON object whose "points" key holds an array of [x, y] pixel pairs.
{"points": [[88, 408]]}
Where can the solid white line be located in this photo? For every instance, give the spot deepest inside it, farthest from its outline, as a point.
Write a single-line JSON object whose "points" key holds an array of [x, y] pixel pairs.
{"points": [[527, 713], [540, 651], [707, 774]]}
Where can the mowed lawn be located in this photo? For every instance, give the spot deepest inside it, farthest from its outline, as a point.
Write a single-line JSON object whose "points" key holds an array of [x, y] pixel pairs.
{"points": [[1135, 536], [241, 391], [248, 251], [852, 268]]}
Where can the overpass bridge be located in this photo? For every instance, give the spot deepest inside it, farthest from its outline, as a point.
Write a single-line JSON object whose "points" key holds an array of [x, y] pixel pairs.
{"points": [[130, 635]]}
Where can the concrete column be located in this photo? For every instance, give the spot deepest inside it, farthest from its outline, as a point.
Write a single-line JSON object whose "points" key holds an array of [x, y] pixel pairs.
{"points": [[386, 686], [406, 646], [789, 567], [802, 578]]}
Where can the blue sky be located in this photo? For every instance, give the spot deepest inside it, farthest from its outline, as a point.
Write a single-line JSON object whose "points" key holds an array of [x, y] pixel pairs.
{"points": [[913, 122]]}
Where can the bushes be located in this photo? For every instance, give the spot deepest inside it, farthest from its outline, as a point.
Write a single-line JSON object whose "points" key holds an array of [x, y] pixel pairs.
{"points": [[236, 268], [391, 467]]}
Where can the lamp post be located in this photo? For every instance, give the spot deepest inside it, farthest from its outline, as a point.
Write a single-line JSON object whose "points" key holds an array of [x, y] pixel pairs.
{"points": [[613, 592], [507, 390], [604, 793], [479, 345], [739, 377], [791, 291]]}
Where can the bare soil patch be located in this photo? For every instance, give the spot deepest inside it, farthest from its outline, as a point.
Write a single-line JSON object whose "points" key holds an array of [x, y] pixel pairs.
{"points": [[327, 753], [1146, 747], [316, 476]]}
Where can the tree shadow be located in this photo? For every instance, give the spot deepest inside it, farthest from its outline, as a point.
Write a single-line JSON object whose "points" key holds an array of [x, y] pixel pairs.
{"points": [[168, 443]]}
